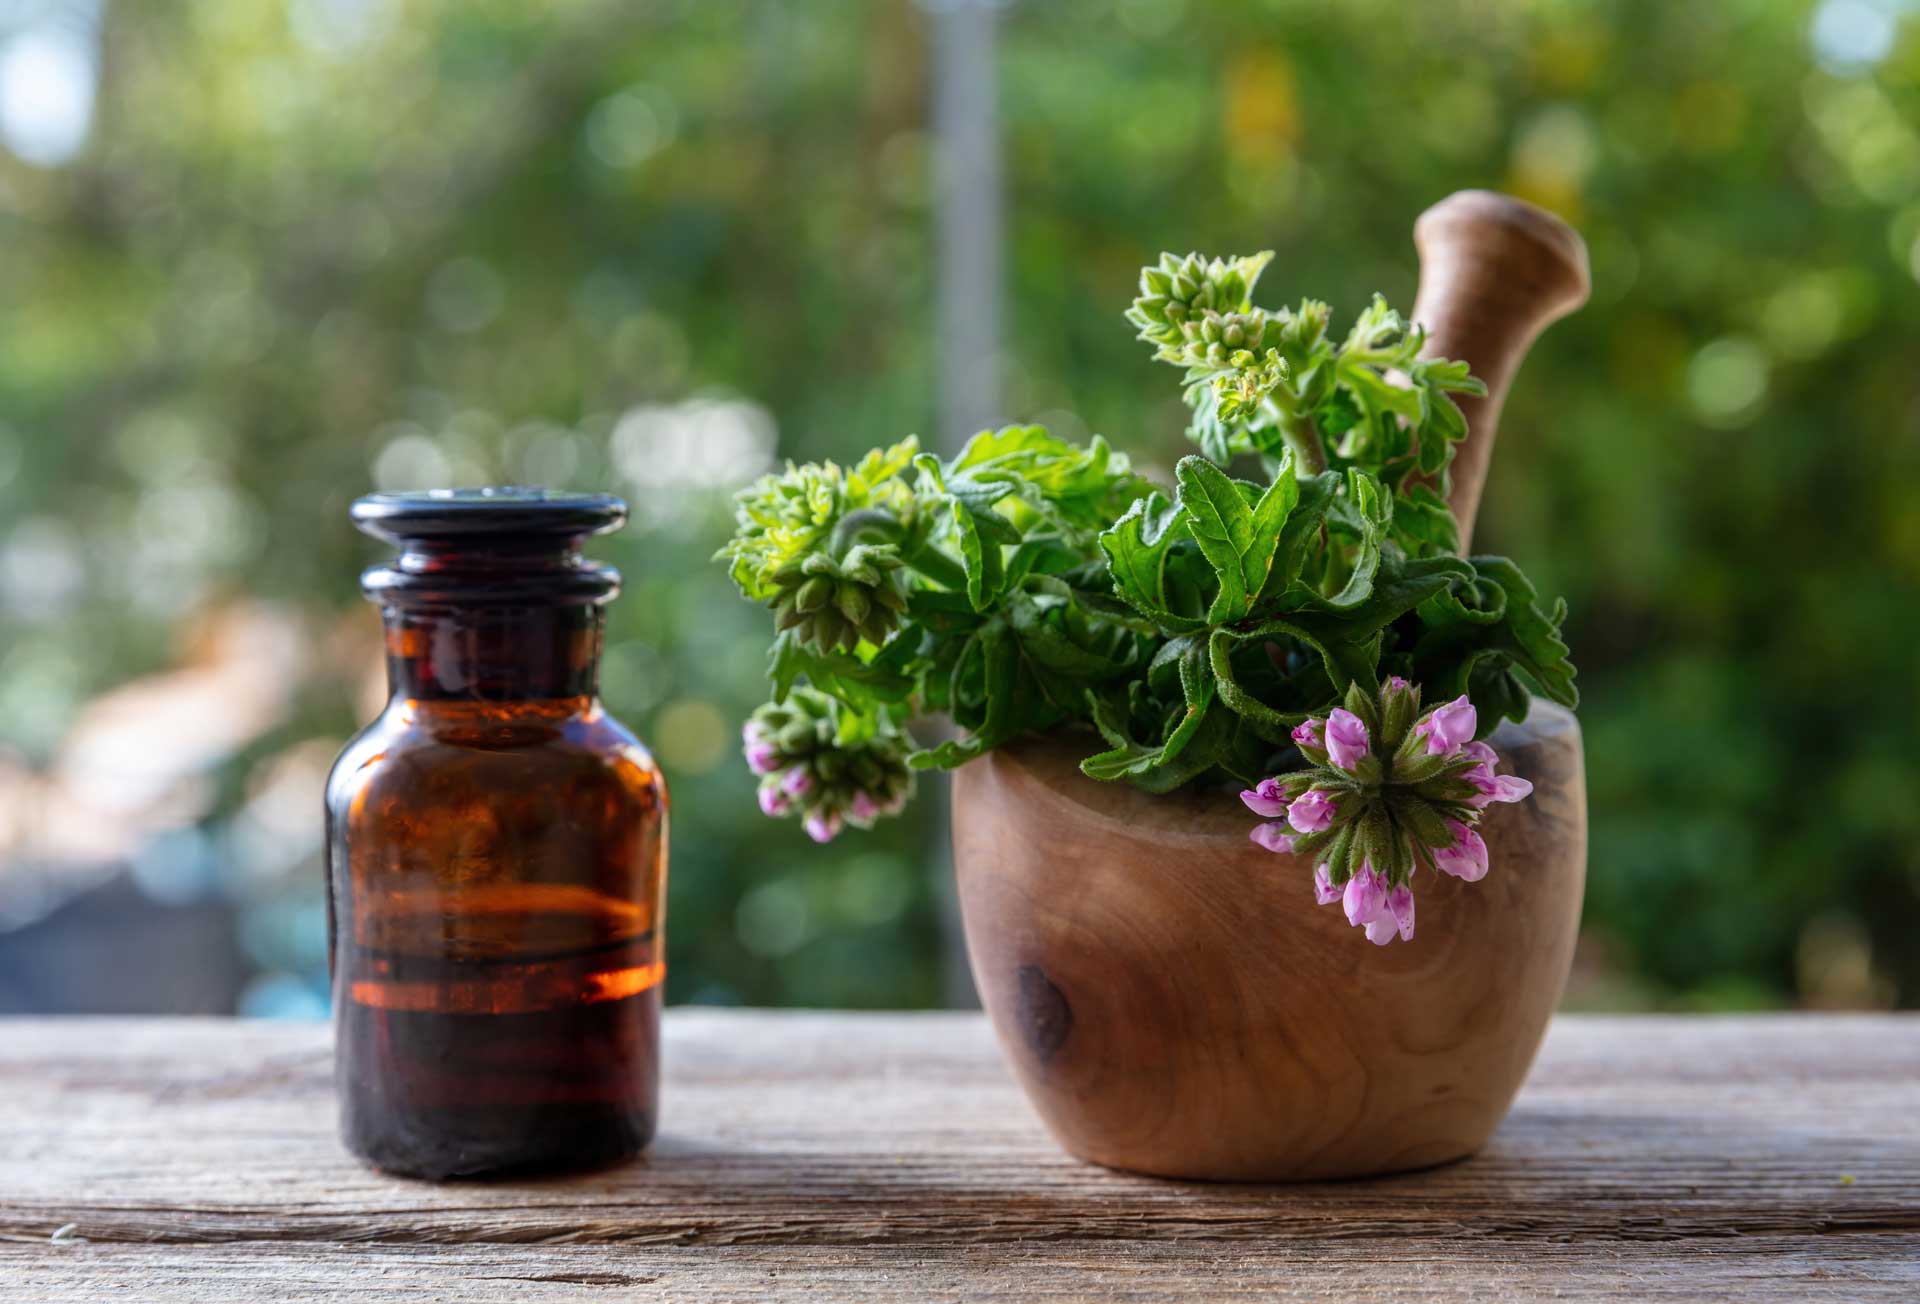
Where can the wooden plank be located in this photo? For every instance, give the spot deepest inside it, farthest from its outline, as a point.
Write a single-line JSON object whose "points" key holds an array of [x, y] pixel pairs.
{"points": [[1843, 1268], [856, 1154]]}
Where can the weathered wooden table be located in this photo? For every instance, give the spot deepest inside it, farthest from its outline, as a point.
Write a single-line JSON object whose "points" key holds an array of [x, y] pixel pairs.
{"points": [[834, 1156]]}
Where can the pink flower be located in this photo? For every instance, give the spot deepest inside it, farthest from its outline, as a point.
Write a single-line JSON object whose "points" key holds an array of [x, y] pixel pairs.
{"points": [[1400, 906], [1396, 684], [762, 756], [822, 826], [1498, 787], [1481, 775], [1273, 836], [1466, 858], [1307, 733], [774, 802], [1449, 726], [1311, 811], [1346, 738], [863, 808], [1365, 897], [798, 782], [1493, 787], [1324, 892], [1266, 799], [1382, 911]]}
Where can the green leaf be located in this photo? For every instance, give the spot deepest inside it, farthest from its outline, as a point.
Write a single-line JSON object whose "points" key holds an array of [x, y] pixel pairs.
{"points": [[1045, 642], [1536, 647], [1423, 524], [838, 674], [1363, 513], [1189, 750], [1274, 726], [1400, 586], [1238, 538], [1222, 524], [980, 555], [998, 708], [1203, 734], [1137, 547], [1347, 659], [1299, 536], [1488, 637]]}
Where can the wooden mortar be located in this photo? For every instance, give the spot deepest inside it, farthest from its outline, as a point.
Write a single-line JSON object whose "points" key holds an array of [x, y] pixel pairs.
{"points": [[1169, 994]]}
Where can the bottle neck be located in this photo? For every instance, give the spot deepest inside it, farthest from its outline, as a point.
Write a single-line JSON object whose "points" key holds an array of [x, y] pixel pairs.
{"points": [[493, 653]]}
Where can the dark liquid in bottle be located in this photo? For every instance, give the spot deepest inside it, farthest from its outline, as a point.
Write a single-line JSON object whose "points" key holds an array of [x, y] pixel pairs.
{"points": [[458, 1057]]}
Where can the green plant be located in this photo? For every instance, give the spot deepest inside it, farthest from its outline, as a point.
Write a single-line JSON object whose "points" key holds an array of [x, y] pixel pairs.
{"points": [[1028, 584]]}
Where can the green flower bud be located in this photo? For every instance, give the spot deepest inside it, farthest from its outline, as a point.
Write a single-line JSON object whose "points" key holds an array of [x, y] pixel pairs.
{"points": [[835, 602], [814, 594]]}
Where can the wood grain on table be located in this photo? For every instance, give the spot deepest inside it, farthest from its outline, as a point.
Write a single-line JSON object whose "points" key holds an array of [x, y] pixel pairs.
{"points": [[842, 1155]]}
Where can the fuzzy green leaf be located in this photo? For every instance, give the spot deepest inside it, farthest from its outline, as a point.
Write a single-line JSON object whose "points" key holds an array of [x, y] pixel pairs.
{"points": [[1239, 538]]}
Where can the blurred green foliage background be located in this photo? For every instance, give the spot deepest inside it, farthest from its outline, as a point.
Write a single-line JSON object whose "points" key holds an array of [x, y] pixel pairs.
{"points": [[302, 251]]}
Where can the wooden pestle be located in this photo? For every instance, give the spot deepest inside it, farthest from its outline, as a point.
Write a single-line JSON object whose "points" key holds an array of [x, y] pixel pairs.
{"points": [[1494, 273]]}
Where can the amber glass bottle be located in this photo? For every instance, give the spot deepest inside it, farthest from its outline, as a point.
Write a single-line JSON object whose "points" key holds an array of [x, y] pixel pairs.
{"points": [[497, 853]]}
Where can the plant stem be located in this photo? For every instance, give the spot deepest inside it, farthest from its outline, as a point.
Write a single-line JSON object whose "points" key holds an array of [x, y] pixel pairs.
{"points": [[883, 525], [1297, 430], [939, 568]]}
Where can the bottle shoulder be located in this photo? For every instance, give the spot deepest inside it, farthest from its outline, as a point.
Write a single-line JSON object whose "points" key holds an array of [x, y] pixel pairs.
{"points": [[426, 750]]}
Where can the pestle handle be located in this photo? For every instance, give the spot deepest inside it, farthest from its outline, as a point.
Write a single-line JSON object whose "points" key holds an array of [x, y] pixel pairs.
{"points": [[1494, 273]]}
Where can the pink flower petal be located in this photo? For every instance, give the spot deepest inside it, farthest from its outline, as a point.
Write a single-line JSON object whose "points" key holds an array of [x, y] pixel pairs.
{"points": [[1511, 787], [1346, 738], [1324, 892], [1400, 907], [1451, 726], [1265, 799], [1467, 858], [1311, 812], [1365, 897], [1273, 836]]}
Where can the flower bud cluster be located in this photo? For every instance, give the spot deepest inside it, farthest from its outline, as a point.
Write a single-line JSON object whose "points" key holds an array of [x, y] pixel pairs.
{"points": [[834, 602], [785, 517], [1178, 292], [811, 766], [1386, 790]]}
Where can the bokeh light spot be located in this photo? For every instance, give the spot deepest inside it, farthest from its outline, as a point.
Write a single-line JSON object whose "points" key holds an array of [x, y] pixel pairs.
{"points": [[411, 461], [774, 919], [627, 129], [465, 295], [691, 736], [1851, 36], [47, 76], [1727, 381]]}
